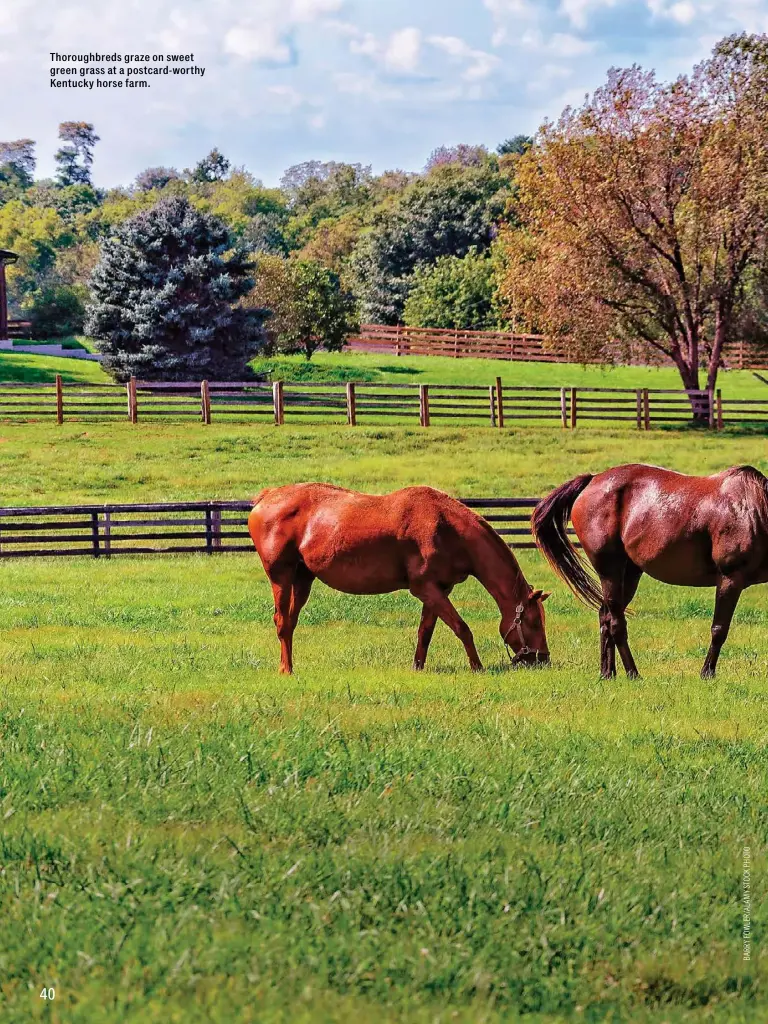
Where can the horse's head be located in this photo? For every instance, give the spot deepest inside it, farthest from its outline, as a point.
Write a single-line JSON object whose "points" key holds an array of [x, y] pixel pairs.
{"points": [[524, 631]]}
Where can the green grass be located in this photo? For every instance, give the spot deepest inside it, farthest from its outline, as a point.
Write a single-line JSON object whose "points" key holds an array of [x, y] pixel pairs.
{"points": [[187, 836], [343, 367], [67, 343], [101, 462]]}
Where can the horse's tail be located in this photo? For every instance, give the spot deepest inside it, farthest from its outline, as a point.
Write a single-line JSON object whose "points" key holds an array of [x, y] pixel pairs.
{"points": [[549, 525]]}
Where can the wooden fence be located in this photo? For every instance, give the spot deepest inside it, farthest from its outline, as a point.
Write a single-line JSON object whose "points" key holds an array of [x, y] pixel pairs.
{"points": [[459, 344], [206, 527], [495, 405]]}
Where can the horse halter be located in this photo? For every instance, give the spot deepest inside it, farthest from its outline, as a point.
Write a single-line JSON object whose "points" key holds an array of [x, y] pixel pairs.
{"points": [[524, 648]]}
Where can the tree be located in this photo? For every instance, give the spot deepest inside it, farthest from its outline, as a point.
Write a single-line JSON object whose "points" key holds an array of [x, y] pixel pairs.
{"points": [[213, 167], [156, 178], [165, 298], [19, 157], [454, 292], [75, 158], [643, 210], [56, 311], [308, 306], [447, 213], [517, 145], [462, 155]]}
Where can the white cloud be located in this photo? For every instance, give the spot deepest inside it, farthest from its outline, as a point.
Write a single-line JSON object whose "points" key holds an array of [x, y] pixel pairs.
{"points": [[478, 64], [578, 12], [399, 53], [403, 50]]}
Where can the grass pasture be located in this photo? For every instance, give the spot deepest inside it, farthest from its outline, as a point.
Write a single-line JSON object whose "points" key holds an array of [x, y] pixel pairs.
{"points": [[186, 836]]}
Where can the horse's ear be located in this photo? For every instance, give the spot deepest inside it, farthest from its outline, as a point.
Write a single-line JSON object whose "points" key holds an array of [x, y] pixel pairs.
{"points": [[539, 595]]}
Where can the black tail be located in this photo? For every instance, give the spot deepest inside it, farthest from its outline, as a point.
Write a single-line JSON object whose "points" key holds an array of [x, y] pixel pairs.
{"points": [[549, 524]]}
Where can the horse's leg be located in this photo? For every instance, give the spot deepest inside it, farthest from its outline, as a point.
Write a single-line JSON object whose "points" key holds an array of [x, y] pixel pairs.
{"points": [[436, 601], [632, 575], [607, 646], [282, 589], [426, 629], [727, 597], [612, 616]]}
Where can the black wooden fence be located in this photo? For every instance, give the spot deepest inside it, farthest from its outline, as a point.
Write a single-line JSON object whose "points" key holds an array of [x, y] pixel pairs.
{"points": [[494, 404], [185, 527]]}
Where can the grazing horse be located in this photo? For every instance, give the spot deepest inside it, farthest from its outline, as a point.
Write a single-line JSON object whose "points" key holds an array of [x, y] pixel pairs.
{"points": [[417, 539], [690, 531]]}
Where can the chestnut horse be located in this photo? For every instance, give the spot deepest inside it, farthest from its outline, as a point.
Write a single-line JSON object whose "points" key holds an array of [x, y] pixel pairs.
{"points": [[417, 539], [690, 531]]}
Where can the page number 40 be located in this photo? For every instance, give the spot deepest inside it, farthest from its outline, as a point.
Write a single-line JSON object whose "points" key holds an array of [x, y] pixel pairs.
{"points": [[48, 993]]}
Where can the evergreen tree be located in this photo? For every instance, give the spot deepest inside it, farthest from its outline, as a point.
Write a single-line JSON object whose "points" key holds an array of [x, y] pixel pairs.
{"points": [[165, 298], [75, 157]]}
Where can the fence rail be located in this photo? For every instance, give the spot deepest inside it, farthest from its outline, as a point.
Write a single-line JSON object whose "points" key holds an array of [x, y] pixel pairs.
{"points": [[459, 344], [206, 527], [494, 404]]}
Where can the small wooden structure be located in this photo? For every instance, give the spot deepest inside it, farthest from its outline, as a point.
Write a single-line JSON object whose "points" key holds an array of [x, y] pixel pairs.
{"points": [[6, 257]]}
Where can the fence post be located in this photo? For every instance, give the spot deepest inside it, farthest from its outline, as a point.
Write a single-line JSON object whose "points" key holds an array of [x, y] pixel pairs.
{"points": [[500, 402], [208, 531], [646, 409], [573, 408], [351, 405], [133, 409], [59, 400], [564, 408], [741, 354], [205, 401], [278, 402], [424, 405], [216, 529], [639, 407], [95, 534], [719, 409], [397, 341], [492, 403], [711, 408], [107, 533]]}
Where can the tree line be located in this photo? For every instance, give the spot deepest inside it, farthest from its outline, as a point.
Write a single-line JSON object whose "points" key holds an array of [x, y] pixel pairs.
{"points": [[640, 217]]}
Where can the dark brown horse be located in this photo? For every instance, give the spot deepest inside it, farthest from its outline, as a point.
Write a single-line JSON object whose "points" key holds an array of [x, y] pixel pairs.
{"points": [[417, 539], [690, 531]]}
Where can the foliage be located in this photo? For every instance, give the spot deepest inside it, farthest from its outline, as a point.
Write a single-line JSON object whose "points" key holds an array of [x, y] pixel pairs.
{"points": [[155, 178], [517, 145], [164, 298], [309, 308], [447, 213], [75, 157], [17, 168], [56, 311], [462, 155], [454, 292], [213, 167], [643, 210]]}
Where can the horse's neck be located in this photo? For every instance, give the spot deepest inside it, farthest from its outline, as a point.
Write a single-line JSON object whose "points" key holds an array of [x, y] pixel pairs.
{"points": [[497, 569]]}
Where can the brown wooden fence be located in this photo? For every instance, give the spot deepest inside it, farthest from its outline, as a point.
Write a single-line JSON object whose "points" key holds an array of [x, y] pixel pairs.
{"points": [[496, 404], [459, 344], [186, 527]]}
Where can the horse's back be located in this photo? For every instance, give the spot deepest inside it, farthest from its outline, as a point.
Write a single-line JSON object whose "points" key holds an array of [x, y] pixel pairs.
{"points": [[678, 528]]}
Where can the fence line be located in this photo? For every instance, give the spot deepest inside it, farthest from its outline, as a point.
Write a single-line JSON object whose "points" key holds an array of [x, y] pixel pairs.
{"points": [[460, 344], [203, 527], [356, 403]]}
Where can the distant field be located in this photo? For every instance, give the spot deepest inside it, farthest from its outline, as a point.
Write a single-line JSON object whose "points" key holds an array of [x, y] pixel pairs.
{"points": [[410, 370]]}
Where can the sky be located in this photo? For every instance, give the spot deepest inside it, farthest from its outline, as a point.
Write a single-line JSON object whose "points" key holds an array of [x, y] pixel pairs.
{"points": [[380, 82]]}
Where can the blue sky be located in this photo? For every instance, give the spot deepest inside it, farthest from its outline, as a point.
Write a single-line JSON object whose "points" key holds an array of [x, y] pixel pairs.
{"points": [[376, 81]]}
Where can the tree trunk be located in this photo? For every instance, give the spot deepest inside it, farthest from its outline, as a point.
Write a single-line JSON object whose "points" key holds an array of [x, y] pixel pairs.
{"points": [[689, 373], [722, 330]]}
